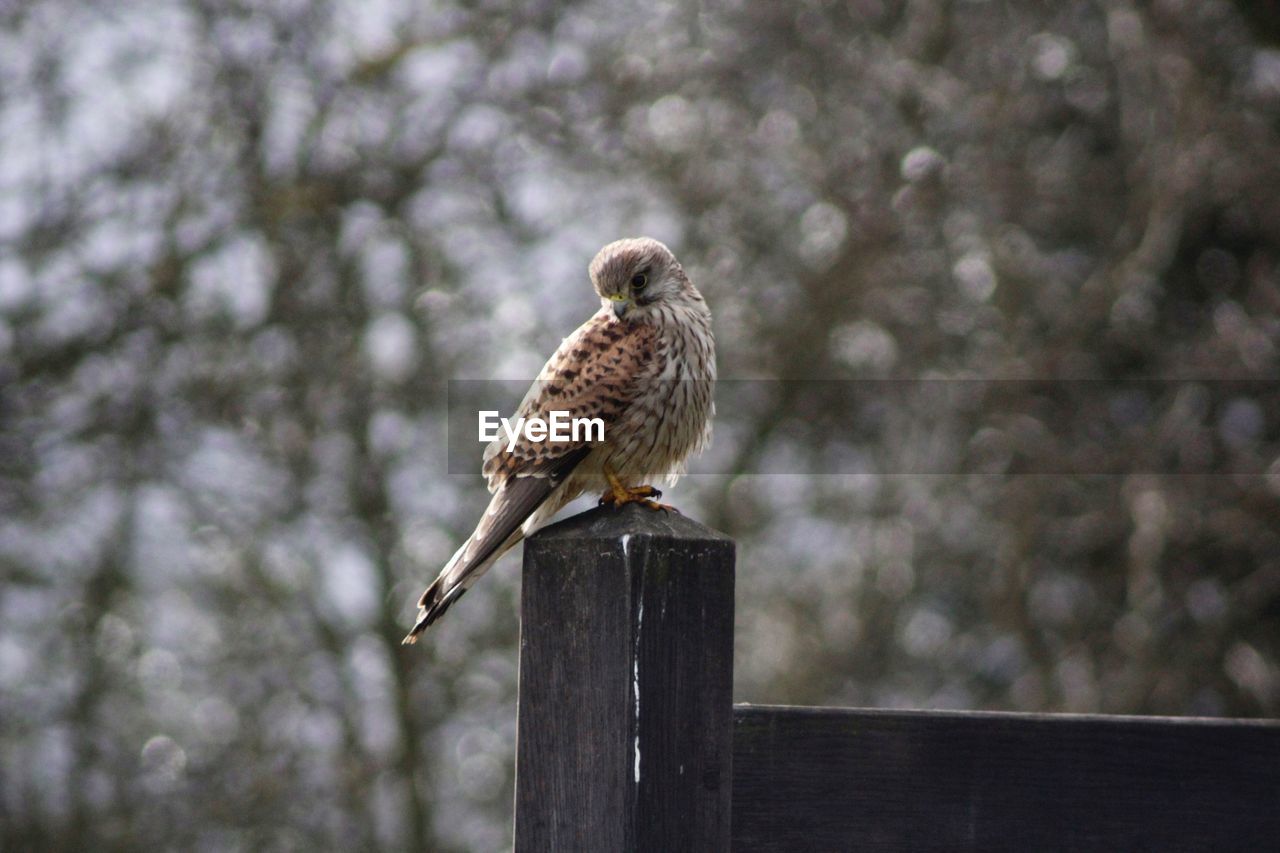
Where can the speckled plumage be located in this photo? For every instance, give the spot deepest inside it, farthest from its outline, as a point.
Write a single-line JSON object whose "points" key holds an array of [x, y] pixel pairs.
{"points": [[644, 364]]}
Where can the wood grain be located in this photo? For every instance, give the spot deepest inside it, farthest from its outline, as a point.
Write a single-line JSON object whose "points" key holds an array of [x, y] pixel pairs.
{"points": [[824, 779], [626, 675]]}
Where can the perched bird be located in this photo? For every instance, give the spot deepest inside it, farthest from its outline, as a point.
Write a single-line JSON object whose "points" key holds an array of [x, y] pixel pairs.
{"points": [[643, 364]]}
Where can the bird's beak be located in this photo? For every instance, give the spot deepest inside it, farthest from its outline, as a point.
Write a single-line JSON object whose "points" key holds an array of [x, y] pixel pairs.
{"points": [[621, 305]]}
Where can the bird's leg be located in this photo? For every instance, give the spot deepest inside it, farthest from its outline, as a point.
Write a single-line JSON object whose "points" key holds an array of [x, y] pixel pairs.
{"points": [[619, 494]]}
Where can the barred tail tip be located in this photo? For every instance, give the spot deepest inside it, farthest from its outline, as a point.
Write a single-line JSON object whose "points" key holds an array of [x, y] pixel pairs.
{"points": [[431, 607]]}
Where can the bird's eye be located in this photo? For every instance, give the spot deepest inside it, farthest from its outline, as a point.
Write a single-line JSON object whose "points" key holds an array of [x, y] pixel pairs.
{"points": [[639, 280]]}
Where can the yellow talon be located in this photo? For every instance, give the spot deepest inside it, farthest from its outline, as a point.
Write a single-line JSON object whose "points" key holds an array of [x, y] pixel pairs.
{"points": [[619, 494]]}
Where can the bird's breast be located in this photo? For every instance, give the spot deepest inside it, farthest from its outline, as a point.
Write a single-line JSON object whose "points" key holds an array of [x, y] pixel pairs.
{"points": [[670, 418]]}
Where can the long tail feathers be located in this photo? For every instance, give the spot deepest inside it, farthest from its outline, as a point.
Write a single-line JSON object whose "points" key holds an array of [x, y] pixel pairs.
{"points": [[434, 602], [500, 528], [464, 569]]}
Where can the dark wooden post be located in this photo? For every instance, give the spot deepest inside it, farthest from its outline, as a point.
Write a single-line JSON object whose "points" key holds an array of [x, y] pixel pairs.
{"points": [[626, 675]]}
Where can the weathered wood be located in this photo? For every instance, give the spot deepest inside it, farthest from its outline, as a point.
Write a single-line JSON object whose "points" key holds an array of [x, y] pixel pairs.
{"points": [[825, 779], [626, 677]]}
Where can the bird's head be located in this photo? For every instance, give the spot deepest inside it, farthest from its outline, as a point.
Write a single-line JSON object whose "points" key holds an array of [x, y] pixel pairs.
{"points": [[636, 275]]}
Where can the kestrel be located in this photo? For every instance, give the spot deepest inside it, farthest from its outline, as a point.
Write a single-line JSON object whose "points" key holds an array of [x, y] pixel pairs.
{"points": [[644, 364]]}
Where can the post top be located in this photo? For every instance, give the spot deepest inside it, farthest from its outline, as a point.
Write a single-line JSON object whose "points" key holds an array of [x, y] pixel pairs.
{"points": [[611, 523]]}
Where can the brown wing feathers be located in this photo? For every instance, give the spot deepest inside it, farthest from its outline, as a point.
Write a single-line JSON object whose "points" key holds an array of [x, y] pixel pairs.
{"points": [[594, 375]]}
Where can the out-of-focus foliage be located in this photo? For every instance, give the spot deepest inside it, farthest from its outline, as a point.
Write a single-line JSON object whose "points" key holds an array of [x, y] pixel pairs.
{"points": [[244, 244]]}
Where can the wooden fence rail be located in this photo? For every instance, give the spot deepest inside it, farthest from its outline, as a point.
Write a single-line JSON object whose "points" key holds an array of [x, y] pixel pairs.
{"points": [[628, 739]]}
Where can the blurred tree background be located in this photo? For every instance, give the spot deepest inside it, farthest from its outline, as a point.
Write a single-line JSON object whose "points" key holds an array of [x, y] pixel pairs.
{"points": [[243, 244]]}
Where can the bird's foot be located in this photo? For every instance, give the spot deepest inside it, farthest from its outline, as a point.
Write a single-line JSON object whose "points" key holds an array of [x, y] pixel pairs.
{"points": [[619, 494]]}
